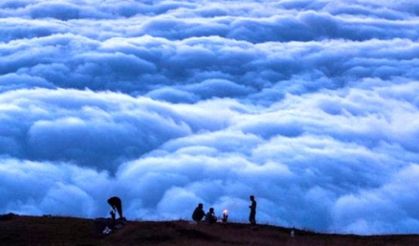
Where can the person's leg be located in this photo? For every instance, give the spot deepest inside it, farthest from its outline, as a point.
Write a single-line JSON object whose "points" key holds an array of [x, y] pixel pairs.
{"points": [[252, 218]]}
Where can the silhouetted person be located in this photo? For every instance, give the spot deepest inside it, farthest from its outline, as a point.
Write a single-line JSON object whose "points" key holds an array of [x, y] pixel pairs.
{"points": [[210, 216], [116, 204], [252, 215], [198, 214], [225, 216]]}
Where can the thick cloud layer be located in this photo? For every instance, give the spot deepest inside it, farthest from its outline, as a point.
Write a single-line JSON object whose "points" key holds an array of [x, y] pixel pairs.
{"points": [[312, 106]]}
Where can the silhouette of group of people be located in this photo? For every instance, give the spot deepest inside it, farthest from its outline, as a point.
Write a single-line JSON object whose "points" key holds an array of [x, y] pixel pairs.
{"points": [[198, 214]]}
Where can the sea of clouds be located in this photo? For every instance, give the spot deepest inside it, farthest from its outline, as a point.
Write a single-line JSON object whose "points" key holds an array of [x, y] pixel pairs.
{"points": [[310, 105]]}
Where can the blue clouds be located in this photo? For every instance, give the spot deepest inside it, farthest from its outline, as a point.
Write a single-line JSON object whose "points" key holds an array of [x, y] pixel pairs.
{"points": [[93, 129], [141, 65], [310, 105]]}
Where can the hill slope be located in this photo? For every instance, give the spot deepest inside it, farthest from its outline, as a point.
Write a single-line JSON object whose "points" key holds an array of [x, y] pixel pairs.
{"points": [[26, 230]]}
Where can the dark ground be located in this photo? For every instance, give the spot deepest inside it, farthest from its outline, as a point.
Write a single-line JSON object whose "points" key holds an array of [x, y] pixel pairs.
{"points": [[26, 230]]}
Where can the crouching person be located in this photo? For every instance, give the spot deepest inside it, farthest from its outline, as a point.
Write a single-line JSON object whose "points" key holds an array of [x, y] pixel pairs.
{"points": [[198, 214]]}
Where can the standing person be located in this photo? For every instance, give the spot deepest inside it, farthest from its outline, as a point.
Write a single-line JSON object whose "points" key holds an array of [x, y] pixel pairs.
{"points": [[116, 204], [252, 215], [198, 214]]}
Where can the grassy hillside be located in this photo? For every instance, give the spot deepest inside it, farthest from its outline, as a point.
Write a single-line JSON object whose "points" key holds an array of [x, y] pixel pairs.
{"points": [[26, 230]]}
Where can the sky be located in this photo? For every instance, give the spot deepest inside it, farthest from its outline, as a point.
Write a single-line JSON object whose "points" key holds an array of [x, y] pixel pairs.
{"points": [[310, 105]]}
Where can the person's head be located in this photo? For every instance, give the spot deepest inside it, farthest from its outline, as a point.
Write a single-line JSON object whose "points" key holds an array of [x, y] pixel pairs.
{"points": [[200, 205], [252, 198], [211, 210]]}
